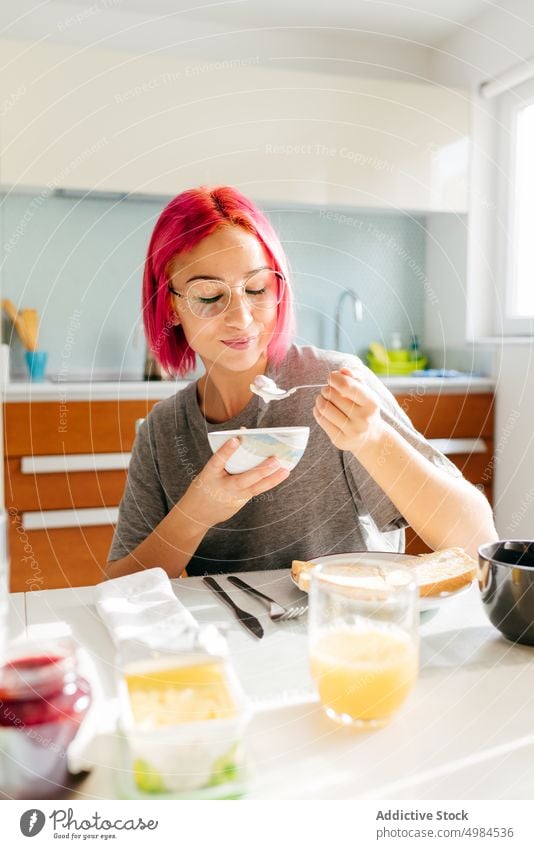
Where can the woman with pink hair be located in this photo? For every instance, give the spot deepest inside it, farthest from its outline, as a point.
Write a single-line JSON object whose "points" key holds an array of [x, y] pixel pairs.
{"points": [[216, 286]]}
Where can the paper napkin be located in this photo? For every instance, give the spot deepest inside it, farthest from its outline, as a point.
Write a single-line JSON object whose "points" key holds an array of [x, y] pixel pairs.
{"points": [[143, 608]]}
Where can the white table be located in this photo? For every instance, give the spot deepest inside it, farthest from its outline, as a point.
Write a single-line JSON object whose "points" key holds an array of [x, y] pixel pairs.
{"points": [[466, 732]]}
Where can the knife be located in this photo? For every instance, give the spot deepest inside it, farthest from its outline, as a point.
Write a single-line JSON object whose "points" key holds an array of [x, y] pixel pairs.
{"points": [[250, 622]]}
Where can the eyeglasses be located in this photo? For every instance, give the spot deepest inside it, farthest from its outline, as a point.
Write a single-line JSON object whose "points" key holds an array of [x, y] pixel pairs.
{"points": [[264, 289]]}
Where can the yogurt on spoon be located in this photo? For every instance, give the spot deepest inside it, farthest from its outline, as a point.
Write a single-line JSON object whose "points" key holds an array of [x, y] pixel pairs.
{"points": [[266, 388], [269, 391]]}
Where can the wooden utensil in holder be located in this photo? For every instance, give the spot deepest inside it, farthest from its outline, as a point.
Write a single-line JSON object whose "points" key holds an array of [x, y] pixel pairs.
{"points": [[30, 322], [26, 323]]}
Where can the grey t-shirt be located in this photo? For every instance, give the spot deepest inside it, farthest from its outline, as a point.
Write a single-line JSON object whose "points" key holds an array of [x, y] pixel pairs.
{"points": [[329, 504]]}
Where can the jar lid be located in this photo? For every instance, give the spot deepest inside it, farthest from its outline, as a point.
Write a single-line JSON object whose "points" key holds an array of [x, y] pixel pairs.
{"points": [[32, 669]]}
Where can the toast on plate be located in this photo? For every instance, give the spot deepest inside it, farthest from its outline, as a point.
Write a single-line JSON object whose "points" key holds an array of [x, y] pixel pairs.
{"points": [[444, 571]]}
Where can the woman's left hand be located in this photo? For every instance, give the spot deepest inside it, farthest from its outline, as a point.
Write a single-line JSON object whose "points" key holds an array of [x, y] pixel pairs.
{"points": [[348, 411]]}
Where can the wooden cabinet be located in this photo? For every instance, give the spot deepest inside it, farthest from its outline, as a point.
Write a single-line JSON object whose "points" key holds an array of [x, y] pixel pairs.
{"points": [[462, 427], [65, 471], [106, 120]]}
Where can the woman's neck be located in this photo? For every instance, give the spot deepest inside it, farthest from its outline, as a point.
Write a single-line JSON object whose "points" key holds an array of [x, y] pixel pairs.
{"points": [[222, 395]]}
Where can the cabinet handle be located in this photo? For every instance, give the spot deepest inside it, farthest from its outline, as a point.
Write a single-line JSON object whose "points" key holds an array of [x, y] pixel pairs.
{"points": [[74, 463], [84, 517], [459, 446]]}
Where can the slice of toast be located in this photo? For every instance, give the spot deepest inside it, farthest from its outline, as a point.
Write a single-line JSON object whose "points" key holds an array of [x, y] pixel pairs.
{"points": [[371, 575], [300, 572], [443, 571]]}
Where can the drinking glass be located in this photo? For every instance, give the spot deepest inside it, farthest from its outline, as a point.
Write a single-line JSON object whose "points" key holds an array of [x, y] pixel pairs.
{"points": [[363, 640]]}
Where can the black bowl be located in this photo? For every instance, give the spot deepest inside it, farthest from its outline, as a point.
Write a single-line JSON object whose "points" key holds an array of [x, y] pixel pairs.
{"points": [[506, 582]]}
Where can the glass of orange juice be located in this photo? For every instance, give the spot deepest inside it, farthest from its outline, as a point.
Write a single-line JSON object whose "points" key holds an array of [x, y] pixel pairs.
{"points": [[364, 640]]}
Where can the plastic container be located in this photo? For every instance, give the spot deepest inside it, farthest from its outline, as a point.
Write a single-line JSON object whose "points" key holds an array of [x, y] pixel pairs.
{"points": [[396, 342], [415, 351], [399, 367], [398, 355], [43, 700], [183, 718]]}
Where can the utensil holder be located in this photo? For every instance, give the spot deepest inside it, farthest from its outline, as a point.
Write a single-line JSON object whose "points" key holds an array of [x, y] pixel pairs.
{"points": [[36, 362]]}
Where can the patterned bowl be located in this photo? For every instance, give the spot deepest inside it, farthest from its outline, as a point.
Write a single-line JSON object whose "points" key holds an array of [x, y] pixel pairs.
{"points": [[285, 443]]}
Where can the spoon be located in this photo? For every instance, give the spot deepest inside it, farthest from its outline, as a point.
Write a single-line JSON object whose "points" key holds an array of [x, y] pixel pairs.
{"points": [[267, 389]]}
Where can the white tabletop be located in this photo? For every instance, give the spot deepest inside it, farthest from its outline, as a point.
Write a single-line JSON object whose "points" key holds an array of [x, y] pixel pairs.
{"points": [[466, 731]]}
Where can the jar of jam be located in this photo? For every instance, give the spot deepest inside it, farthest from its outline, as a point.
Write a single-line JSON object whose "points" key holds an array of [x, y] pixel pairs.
{"points": [[43, 700]]}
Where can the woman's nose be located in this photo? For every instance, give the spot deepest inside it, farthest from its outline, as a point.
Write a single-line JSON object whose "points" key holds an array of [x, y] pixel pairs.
{"points": [[239, 312]]}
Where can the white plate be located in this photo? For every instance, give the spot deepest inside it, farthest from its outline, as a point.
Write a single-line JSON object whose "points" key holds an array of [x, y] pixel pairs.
{"points": [[376, 558]]}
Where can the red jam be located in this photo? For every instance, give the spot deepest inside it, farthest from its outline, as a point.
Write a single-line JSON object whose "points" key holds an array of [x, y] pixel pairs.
{"points": [[43, 699]]}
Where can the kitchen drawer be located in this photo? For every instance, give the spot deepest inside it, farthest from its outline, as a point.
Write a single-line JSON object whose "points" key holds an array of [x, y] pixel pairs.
{"points": [[56, 557], [56, 490], [464, 428], [477, 465], [447, 416], [50, 427]]}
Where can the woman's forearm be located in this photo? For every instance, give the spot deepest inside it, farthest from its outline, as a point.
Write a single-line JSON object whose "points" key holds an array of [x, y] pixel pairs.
{"points": [[170, 545], [443, 510]]}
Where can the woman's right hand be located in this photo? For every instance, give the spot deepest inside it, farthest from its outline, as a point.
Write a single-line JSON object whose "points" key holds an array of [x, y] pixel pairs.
{"points": [[215, 495]]}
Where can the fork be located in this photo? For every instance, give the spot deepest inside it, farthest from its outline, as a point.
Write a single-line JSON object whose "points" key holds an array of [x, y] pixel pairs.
{"points": [[276, 612]]}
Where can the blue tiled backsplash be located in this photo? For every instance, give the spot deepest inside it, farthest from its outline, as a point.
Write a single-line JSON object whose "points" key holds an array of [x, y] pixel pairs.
{"points": [[79, 262]]}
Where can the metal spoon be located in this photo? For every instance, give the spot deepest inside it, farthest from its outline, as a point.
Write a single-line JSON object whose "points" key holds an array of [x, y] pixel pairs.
{"points": [[269, 391]]}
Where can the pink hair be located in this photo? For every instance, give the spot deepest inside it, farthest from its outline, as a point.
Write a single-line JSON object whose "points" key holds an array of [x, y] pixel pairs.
{"points": [[185, 221]]}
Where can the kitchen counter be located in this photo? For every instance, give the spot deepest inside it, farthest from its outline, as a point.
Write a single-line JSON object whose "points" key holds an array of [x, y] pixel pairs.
{"points": [[69, 444], [98, 390], [125, 390], [439, 385]]}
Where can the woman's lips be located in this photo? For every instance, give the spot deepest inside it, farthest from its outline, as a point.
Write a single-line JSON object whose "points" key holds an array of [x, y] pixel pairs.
{"points": [[240, 344]]}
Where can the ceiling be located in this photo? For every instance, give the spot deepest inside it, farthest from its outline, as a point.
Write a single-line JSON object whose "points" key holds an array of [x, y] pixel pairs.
{"points": [[426, 22]]}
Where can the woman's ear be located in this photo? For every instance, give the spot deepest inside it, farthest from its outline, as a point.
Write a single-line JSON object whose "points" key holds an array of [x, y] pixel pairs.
{"points": [[173, 318]]}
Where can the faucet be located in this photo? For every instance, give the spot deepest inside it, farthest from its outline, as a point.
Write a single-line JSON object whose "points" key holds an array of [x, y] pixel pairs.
{"points": [[358, 311]]}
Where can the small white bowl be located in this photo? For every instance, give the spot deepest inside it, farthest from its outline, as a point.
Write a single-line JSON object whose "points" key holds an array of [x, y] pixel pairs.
{"points": [[285, 443]]}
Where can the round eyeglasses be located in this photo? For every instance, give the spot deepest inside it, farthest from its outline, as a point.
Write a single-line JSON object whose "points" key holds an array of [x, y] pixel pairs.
{"points": [[263, 289]]}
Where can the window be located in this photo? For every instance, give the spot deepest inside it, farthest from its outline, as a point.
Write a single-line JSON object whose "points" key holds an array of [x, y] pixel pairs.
{"points": [[516, 206], [520, 288]]}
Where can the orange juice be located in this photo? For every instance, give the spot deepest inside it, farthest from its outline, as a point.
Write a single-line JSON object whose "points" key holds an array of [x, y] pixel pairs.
{"points": [[364, 673]]}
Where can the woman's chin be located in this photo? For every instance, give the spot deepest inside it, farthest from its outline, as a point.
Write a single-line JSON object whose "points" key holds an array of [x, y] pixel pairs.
{"points": [[239, 364]]}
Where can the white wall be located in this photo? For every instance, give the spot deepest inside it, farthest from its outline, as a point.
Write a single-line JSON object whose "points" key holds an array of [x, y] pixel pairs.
{"points": [[494, 41], [445, 269], [490, 43], [206, 33]]}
